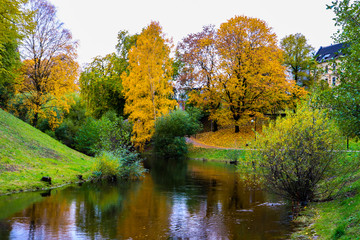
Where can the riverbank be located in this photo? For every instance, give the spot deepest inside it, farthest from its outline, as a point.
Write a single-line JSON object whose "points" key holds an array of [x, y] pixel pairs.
{"points": [[335, 219], [27, 155], [214, 154]]}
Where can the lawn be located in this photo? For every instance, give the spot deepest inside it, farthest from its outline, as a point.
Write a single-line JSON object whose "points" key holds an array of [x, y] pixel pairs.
{"points": [[214, 154], [27, 155]]}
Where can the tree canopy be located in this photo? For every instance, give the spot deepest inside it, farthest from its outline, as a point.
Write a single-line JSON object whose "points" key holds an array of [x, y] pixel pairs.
{"points": [[50, 70], [147, 87], [297, 57], [252, 77], [12, 22]]}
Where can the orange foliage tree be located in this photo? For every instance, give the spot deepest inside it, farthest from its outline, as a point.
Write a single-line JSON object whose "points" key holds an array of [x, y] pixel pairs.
{"points": [[49, 71], [147, 88], [252, 77], [200, 70]]}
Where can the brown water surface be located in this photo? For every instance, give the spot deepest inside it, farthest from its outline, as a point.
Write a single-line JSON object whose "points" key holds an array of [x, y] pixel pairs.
{"points": [[176, 200]]}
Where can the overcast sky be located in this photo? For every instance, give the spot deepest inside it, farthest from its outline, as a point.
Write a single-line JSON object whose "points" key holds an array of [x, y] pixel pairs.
{"points": [[95, 23]]}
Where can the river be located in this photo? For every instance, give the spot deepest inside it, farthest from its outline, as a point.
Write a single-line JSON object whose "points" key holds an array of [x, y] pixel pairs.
{"points": [[175, 200]]}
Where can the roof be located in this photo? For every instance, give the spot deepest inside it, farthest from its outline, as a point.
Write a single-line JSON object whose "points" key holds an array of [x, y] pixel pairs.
{"points": [[330, 52]]}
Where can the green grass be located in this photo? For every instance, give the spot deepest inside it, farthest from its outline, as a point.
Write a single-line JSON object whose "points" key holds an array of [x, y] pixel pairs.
{"points": [[27, 154], [213, 154], [354, 145], [336, 219]]}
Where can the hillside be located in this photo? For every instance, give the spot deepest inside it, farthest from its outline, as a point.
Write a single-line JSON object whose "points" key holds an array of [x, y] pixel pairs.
{"points": [[27, 155]]}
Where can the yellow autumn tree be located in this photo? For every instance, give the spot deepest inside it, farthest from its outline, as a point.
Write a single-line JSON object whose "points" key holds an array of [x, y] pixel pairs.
{"points": [[147, 88], [49, 68], [47, 97], [252, 77]]}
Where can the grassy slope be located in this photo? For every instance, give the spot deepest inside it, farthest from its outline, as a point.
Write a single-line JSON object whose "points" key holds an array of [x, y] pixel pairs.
{"points": [[27, 154]]}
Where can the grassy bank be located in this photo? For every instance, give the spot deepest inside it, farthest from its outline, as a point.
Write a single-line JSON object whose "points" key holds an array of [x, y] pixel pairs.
{"points": [[213, 154], [27, 155], [336, 219]]}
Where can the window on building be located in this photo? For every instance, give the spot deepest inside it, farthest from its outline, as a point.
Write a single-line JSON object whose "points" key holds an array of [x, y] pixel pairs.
{"points": [[333, 81]]}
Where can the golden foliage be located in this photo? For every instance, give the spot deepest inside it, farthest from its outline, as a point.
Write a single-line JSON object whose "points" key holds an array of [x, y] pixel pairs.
{"points": [[43, 96], [227, 138], [242, 77], [147, 87]]}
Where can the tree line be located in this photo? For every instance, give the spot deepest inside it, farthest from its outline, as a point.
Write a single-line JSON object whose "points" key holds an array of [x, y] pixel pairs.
{"points": [[234, 74]]}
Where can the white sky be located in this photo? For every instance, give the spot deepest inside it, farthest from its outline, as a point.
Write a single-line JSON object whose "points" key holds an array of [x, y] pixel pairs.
{"points": [[95, 23]]}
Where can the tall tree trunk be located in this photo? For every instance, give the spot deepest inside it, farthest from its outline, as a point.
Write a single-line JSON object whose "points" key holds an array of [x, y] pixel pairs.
{"points": [[237, 129], [35, 120], [214, 126]]}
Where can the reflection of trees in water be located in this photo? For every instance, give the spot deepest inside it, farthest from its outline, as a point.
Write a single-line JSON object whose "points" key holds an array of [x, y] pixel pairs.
{"points": [[176, 200], [168, 173], [5, 229]]}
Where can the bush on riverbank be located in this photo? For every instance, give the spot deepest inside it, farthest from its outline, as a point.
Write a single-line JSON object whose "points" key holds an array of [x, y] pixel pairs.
{"points": [[298, 156], [121, 164], [170, 131], [115, 152]]}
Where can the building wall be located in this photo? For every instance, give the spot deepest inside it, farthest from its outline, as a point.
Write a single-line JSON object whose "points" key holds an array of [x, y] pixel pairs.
{"points": [[330, 72]]}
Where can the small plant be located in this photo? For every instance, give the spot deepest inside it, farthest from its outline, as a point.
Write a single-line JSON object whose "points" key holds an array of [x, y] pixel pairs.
{"points": [[120, 164], [233, 155], [106, 167]]}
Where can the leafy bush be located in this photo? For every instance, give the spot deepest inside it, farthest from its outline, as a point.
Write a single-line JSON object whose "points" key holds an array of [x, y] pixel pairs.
{"points": [[87, 137], [106, 166], [114, 142], [115, 133], [170, 131], [121, 164], [298, 156], [73, 121], [233, 155]]}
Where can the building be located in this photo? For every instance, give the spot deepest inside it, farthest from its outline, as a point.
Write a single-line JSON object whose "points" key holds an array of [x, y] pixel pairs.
{"points": [[328, 58]]}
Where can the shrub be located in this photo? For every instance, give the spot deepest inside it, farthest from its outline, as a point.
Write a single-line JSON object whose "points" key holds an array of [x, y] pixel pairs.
{"points": [[121, 164], [298, 156], [106, 166], [115, 133], [87, 137], [233, 155], [170, 130]]}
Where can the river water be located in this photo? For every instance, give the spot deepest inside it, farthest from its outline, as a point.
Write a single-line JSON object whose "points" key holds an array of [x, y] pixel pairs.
{"points": [[176, 200]]}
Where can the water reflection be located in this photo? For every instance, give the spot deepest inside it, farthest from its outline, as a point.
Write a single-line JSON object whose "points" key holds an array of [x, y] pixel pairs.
{"points": [[192, 200]]}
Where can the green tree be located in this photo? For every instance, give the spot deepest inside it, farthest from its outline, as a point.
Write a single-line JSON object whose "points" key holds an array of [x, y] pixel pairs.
{"points": [[344, 99], [101, 81], [11, 19], [297, 57], [101, 86], [170, 132]]}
